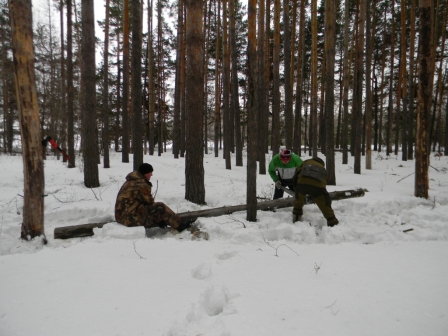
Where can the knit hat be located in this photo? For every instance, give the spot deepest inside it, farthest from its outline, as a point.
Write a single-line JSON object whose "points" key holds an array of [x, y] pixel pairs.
{"points": [[145, 168]]}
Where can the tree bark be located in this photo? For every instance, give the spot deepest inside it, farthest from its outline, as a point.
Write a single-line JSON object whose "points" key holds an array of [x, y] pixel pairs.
{"points": [[125, 102], [424, 99], [137, 130], [194, 168], [88, 110], [106, 161], [330, 36], [252, 109], [25, 78]]}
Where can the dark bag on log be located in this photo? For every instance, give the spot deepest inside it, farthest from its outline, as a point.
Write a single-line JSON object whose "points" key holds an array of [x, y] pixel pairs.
{"points": [[315, 172]]}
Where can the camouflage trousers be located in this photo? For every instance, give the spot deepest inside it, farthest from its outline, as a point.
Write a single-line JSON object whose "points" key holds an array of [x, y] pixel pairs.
{"points": [[159, 213]]}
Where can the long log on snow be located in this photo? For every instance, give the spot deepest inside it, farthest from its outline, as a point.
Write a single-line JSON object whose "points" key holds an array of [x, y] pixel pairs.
{"points": [[85, 230]]}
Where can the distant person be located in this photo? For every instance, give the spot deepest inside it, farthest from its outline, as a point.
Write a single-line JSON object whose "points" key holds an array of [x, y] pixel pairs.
{"points": [[311, 179], [282, 168], [135, 205]]}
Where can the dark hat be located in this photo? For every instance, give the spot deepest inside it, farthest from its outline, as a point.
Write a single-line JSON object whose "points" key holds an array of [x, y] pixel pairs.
{"points": [[145, 168], [319, 160]]}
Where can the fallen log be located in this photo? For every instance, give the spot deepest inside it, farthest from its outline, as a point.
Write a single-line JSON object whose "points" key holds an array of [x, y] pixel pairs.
{"points": [[85, 230]]}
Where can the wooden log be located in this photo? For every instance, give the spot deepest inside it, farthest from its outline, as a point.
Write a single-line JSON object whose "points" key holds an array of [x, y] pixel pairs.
{"points": [[77, 231], [85, 230]]}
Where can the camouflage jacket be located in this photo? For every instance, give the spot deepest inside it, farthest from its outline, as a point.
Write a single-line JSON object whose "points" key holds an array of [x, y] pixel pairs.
{"points": [[299, 178], [132, 198]]}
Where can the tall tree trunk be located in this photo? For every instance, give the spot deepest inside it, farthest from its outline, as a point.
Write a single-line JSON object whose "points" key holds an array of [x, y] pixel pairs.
{"points": [[261, 113], [217, 125], [300, 79], [70, 93], [137, 133], [346, 75], [391, 81], [411, 83], [62, 110], [330, 36], [90, 140], [404, 97], [314, 79], [267, 74], [369, 97], [106, 161], [125, 114], [160, 72], [225, 84], [359, 81], [194, 167], [25, 78], [289, 123], [252, 108], [177, 95], [151, 88], [276, 89], [424, 98], [235, 95]]}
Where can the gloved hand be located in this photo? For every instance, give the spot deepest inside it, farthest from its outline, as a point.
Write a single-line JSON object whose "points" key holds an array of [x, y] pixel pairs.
{"points": [[278, 185], [162, 224]]}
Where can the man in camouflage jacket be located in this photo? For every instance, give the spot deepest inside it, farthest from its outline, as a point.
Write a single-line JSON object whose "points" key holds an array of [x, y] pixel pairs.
{"points": [[135, 205], [311, 179]]}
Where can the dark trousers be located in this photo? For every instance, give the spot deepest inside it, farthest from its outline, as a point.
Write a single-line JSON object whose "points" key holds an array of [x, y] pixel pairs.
{"points": [[319, 195], [278, 193]]}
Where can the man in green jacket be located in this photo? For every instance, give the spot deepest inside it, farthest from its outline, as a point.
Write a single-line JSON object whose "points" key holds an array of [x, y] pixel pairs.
{"points": [[135, 205], [282, 168], [311, 179]]}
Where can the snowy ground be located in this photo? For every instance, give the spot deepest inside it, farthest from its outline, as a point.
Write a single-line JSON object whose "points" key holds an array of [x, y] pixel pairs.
{"points": [[364, 277]]}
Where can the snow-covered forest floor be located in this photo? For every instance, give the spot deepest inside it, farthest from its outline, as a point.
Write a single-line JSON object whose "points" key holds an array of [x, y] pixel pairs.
{"points": [[271, 277]]}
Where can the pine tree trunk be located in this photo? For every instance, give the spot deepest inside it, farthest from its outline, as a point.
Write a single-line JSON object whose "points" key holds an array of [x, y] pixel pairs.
{"points": [[330, 36], [125, 113], [194, 168], [235, 104], [33, 168], [300, 81], [262, 115], [225, 83], [276, 88], [252, 108], [314, 80], [217, 125], [424, 99], [88, 109], [106, 161], [369, 97], [346, 75], [359, 85], [137, 130], [289, 123]]}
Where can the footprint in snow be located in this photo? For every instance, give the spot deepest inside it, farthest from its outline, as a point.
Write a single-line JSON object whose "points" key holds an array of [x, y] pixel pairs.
{"points": [[202, 272]]}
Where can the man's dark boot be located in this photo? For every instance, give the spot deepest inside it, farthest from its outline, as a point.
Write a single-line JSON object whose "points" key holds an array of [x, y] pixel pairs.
{"points": [[332, 221], [185, 224]]}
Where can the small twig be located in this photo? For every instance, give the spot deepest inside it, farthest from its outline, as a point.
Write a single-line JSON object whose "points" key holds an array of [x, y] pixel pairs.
{"points": [[236, 220], [135, 250], [434, 204], [317, 268], [406, 176], [434, 168], [98, 199], [331, 307], [276, 248], [408, 230]]}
